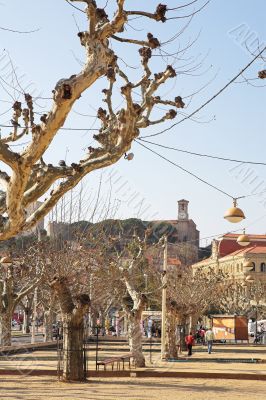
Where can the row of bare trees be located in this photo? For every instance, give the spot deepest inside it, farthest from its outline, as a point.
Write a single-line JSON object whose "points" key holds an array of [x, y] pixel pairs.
{"points": [[96, 273]]}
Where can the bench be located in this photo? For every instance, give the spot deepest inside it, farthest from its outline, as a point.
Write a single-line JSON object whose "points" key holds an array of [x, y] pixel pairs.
{"points": [[126, 358], [112, 360]]}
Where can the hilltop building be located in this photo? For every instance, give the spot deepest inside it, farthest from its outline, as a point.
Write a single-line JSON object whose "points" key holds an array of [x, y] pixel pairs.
{"points": [[183, 236]]}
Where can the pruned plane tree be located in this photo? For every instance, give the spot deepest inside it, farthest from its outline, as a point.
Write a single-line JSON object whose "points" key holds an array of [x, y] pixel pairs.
{"points": [[25, 176]]}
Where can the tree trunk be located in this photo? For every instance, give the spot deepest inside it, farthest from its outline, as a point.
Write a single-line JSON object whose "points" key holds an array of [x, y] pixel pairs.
{"points": [[135, 340], [48, 325], [73, 329], [182, 332], [5, 321], [193, 320], [171, 336], [26, 322], [73, 362]]}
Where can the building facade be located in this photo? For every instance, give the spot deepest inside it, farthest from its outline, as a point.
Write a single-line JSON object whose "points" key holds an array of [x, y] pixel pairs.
{"points": [[229, 257]]}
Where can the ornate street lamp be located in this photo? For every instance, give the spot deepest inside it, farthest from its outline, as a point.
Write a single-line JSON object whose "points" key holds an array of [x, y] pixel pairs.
{"points": [[248, 266], [243, 240], [234, 214]]}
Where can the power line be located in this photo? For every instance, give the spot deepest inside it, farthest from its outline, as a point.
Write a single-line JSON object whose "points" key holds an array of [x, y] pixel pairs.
{"points": [[183, 6], [191, 14], [187, 171], [198, 178], [210, 99], [204, 155]]}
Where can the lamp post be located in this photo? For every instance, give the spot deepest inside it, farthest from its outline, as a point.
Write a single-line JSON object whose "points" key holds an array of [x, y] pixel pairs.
{"points": [[164, 283], [256, 325], [98, 326]]}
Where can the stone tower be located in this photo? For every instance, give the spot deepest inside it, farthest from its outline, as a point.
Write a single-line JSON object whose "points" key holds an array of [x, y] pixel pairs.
{"points": [[183, 210]]}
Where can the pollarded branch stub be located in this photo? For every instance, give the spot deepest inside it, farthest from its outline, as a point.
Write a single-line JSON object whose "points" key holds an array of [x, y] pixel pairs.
{"points": [[158, 76], [171, 114], [84, 38], [15, 118], [43, 118], [101, 16], [102, 115], [126, 90], [63, 89], [76, 167], [62, 163], [153, 41], [145, 53], [110, 73], [160, 12], [29, 101], [171, 71], [26, 118], [262, 74], [17, 109], [137, 108], [179, 102]]}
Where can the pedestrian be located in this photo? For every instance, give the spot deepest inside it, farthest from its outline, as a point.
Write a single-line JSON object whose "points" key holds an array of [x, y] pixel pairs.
{"points": [[209, 338], [202, 335], [189, 339]]}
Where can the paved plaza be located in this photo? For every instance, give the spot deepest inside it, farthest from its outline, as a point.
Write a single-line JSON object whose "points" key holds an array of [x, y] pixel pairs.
{"points": [[39, 388], [233, 360]]}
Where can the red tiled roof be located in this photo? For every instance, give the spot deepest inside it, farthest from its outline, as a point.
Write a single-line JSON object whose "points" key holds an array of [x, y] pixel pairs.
{"points": [[235, 236], [228, 243], [249, 250]]}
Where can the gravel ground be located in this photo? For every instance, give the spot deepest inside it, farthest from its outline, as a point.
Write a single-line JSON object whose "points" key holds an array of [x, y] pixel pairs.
{"points": [[39, 388]]}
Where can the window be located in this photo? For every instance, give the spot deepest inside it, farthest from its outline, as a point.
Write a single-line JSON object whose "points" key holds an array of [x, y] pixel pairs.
{"points": [[263, 267], [254, 266]]}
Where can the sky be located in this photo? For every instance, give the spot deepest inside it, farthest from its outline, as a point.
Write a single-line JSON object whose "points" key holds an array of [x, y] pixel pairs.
{"points": [[231, 126]]}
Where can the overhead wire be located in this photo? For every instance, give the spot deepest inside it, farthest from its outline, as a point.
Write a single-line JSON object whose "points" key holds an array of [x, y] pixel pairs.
{"points": [[199, 178], [210, 99], [186, 170], [204, 155], [191, 14]]}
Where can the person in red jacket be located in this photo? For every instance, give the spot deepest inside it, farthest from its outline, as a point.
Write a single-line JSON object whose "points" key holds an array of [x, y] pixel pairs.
{"points": [[189, 339]]}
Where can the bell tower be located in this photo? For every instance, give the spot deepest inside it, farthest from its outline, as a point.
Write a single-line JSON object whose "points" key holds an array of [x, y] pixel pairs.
{"points": [[183, 210]]}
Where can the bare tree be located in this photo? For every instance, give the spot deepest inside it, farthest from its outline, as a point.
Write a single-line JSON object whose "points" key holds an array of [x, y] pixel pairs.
{"points": [[67, 277], [18, 278], [240, 297], [189, 295], [30, 177], [120, 273]]}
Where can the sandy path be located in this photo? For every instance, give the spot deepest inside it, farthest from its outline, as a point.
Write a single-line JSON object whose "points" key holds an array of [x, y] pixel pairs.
{"points": [[39, 388]]}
